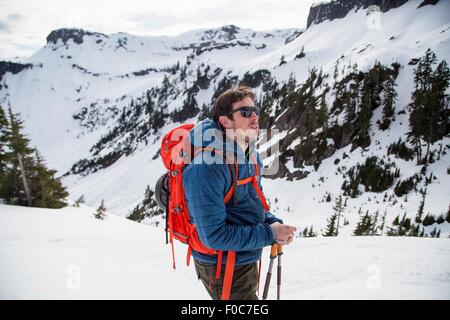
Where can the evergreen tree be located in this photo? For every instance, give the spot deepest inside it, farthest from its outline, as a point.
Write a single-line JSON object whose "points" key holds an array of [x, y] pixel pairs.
{"points": [[147, 208], [311, 233], [101, 211], [305, 232], [418, 218], [428, 119], [448, 215], [15, 187], [149, 105], [338, 209], [335, 74], [4, 135], [331, 230], [428, 220], [369, 101], [364, 225], [322, 115], [438, 111], [383, 223], [374, 224], [79, 201], [390, 95], [48, 190], [24, 178]]}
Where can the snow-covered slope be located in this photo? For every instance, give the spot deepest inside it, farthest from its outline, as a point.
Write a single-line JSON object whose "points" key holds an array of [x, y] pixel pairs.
{"points": [[82, 81], [68, 254]]}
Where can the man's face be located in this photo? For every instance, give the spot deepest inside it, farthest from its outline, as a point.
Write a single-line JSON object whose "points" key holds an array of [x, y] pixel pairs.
{"points": [[245, 128]]}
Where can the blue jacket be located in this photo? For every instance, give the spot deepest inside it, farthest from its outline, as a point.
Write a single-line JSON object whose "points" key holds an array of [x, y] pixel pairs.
{"points": [[244, 228]]}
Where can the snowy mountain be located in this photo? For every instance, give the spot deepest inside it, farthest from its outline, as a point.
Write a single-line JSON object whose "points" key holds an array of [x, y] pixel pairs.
{"points": [[96, 106], [68, 254]]}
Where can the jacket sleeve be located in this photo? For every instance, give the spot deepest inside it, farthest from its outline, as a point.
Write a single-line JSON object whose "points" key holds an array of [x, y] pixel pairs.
{"points": [[270, 218], [205, 187]]}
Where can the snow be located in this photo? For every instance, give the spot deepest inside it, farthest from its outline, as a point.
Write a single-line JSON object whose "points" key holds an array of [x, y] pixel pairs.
{"points": [[47, 99], [68, 254]]}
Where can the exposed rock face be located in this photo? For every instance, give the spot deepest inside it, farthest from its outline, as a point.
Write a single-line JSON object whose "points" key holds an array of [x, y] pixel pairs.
{"points": [[226, 33], [427, 2], [339, 8], [12, 67], [75, 34]]}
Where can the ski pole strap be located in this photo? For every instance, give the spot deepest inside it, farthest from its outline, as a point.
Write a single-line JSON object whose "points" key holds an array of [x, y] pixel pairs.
{"points": [[228, 278]]}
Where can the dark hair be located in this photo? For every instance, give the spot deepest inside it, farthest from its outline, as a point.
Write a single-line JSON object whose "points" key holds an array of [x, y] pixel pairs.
{"points": [[224, 103]]}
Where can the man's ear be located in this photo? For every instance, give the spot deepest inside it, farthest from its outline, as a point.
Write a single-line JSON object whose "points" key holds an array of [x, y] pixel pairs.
{"points": [[225, 122]]}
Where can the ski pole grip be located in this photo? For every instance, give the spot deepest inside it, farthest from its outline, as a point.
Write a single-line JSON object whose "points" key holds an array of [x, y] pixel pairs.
{"points": [[280, 249], [274, 250]]}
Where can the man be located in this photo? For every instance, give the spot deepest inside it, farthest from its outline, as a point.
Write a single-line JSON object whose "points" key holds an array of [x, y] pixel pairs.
{"points": [[242, 224]]}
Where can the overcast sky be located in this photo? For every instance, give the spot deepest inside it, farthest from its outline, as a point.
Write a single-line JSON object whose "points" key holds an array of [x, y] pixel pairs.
{"points": [[24, 24]]}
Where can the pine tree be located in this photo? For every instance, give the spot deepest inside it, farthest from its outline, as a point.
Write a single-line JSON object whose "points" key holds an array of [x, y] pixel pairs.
{"points": [[448, 215], [311, 233], [79, 201], [438, 114], [101, 211], [48, 190], [390, 95], [421, 233], [24, 179], [363, 226], [428, 220], [428, 119], [369, 98], [147, 208], [305, 232], [4, 135], [338, 209], [383, 223], [433, 233], [335, 75], [149, 105], [374, 224], [331, 230], [322, 115], [418, 218], [16, 187]]}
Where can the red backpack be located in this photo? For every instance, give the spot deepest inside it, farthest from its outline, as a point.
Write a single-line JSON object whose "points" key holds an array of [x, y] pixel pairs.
{"points": [[176, 152]]}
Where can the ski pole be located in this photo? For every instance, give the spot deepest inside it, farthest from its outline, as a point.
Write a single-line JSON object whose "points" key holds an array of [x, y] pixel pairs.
{"points": [[273, 255], [279, 253]]}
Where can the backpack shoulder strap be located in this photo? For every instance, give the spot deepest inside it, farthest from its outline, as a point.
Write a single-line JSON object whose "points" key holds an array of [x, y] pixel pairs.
{"points": [[233, 168]]}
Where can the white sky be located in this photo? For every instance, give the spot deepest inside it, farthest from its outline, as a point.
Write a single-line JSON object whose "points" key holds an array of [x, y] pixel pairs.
{"points": [[24, 25]]}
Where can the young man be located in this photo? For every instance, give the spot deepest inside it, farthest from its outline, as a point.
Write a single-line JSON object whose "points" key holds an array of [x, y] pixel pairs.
{"points": [[241, 224]]}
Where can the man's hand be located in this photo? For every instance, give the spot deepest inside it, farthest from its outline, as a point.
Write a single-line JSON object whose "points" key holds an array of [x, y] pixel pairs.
{"points": [[283, 233]]}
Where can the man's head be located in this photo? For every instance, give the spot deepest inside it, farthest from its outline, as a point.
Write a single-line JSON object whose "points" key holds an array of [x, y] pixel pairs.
{"points": [[236, 112]]}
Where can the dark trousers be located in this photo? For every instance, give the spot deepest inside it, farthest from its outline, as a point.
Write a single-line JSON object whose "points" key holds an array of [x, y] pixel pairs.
{"points": [[244, 286]]}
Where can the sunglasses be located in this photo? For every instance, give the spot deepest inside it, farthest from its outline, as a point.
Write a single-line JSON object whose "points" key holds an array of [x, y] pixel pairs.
{"points": [[246, 111]]}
